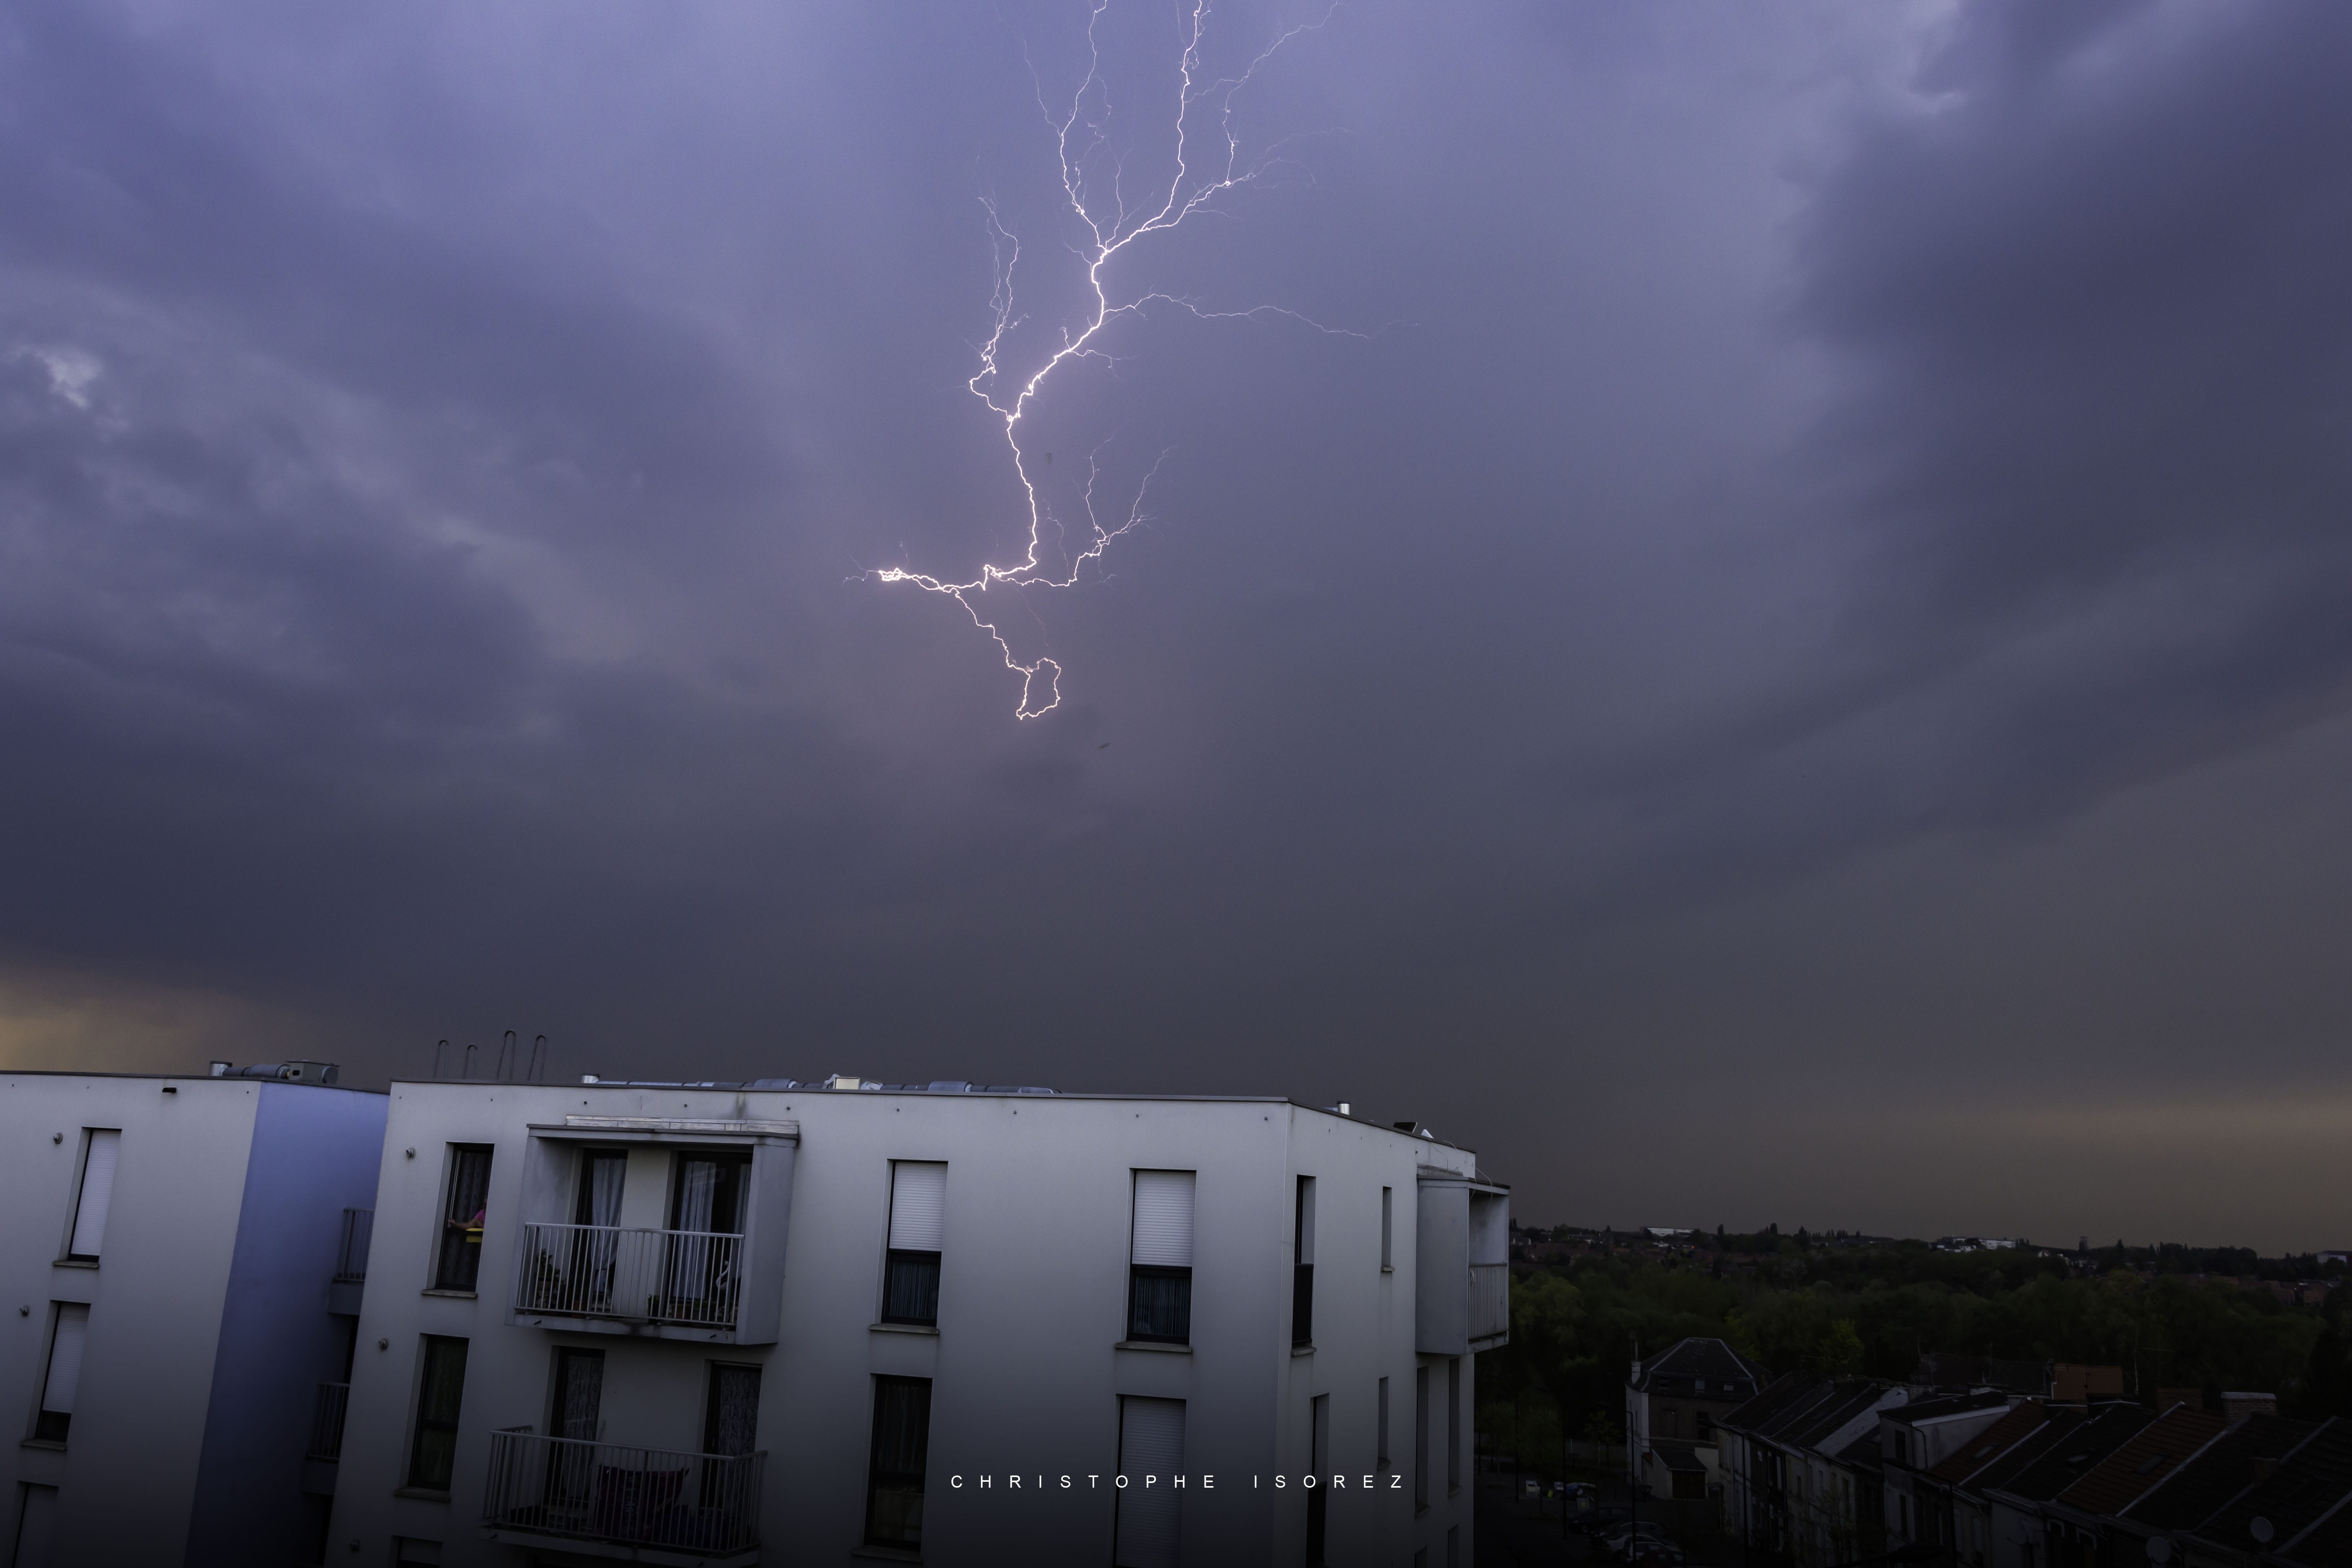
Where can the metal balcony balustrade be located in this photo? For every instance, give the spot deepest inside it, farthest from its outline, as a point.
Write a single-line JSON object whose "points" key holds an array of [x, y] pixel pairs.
{"points": [[690, 1278], [327, 1411], [604, 1492], [1490, 1300]]}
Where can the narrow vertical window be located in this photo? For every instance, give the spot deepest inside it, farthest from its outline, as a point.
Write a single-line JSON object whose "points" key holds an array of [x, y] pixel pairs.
{"points": [[1388, 1229], [894, 1473], [910, 1284], [602, 1173], [1381, 1454], [1159, 1273], [1150, 1443], [1453, 1424], [706, 1216], [1453, 1546], [68, 1333], [730, 1430], [579, 1395], [1319, 1463], [440, 1392], [463, 1211], [1421, 1439], [576, 1416], [1302, 1268], [36, 1526], [101, 1149]]}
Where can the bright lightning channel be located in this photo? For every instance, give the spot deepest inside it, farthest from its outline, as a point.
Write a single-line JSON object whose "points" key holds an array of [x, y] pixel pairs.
{"points": [[1113, 230]]}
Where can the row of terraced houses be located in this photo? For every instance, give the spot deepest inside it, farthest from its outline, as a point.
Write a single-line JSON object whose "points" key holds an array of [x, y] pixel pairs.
{"points": [[1989, 1466]]}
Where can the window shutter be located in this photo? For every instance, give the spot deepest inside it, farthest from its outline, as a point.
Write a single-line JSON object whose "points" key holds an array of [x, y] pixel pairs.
{"points": [[65, 1358], [1163, 1218], [1150, 1443], [97, 1193], [919, 1199]]}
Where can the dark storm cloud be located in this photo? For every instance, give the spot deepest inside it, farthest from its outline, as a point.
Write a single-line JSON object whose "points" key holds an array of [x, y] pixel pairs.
{"points": [[1834, 499]]}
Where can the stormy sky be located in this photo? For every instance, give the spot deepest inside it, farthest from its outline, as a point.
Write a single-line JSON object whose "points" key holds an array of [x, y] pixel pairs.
{"points": [[1790, 659]]}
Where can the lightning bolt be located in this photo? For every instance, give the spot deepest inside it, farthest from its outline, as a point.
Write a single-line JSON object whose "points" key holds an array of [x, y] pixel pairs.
{"points": [[1079, 135]]}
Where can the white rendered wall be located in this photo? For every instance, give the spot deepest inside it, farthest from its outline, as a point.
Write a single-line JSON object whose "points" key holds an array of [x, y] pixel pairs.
{"points": [[127, 1476], [1032, 1296]]}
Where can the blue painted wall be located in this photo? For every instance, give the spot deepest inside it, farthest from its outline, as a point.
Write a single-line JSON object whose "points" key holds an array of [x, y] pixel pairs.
{"points": [[315, 1152]]}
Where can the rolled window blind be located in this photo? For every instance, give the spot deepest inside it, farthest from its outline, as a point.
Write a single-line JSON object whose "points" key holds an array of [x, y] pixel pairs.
{"points": [[1163, 1218], [919, 1200], [65, 1358], [97, 1192], [1150, 1443]]}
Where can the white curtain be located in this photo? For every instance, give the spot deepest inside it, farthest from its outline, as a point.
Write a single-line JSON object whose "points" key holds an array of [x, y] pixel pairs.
{"points": [[697, 1186], [604, 1175]]}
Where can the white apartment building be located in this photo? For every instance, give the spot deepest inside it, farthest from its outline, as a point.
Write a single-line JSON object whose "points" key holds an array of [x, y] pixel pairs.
{"points": [[786, 1324], [173, 1348]]}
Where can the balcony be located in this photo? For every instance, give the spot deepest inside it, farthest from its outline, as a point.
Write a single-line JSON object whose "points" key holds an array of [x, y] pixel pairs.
{"points": [[642, 1505], [1462, 1276], [632, 1280], [1490, 1300], [325, 1451], [351, 1262]]}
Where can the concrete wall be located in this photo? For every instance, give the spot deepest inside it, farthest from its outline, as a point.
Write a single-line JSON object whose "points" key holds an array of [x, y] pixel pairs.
{"points": [[1025, 1365], [315, 1152]]}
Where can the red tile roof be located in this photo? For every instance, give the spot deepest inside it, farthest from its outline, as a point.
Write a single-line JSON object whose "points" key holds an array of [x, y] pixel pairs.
{"points": [[1988, 1444]]}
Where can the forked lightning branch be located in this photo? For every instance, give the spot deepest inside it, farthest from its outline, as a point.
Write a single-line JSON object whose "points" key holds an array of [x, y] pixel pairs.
{"points": [[1112, 226]]}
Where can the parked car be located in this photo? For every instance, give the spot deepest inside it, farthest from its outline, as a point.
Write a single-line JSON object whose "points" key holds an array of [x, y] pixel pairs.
{"points": [[1601, 1520], [1626, 1538], [1656, 1554]]}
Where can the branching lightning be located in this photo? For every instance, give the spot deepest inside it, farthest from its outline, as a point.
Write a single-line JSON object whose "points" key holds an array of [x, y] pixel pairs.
{"points": [[1080, 137]]}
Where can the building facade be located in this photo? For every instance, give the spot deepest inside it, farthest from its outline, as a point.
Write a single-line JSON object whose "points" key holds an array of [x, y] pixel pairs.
{"points": [[167, 1255], [1674, 1403], [781, 1322]]}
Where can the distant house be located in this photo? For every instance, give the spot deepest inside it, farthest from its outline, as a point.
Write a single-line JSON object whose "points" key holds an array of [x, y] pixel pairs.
{"points": [[2074, 1384], [1974, 1243], [1674, 1403], [1914, 1439], [1802, 1468]]}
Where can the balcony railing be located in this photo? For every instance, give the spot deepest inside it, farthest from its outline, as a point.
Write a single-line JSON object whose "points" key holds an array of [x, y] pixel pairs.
{"points": [[633, 1497], [690, 1278], [351, 1256], [327, 1411], [1490, 1300]]}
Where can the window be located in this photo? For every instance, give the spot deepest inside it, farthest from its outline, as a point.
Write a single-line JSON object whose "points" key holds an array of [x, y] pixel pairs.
{"points": [[1302, 1274], [1317, 1503], [462, 1213], [894, 1473], [1453, 1425], [101, 1149], [910, 1282], [69, 1334], [579, 1395], [603, 1172], [709, 1198], [1453, 1546], [1388, 1228], [731, 1411], [1160, 1276], [439, 1391], [1150, 1443], [36, 1526], [1381, 1456], [1421, 1439]]}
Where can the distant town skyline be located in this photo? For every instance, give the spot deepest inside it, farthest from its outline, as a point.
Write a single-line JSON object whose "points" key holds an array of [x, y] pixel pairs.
{"points": [[1796, 670]]}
